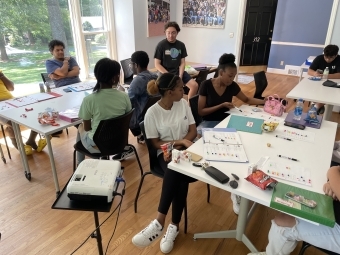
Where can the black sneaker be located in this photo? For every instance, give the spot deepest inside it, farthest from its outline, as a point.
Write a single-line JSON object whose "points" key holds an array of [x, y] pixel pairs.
{"points": [[125, 154], [140, 139]]}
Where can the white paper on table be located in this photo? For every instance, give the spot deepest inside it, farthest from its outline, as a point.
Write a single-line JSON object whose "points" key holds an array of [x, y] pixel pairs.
{"points": [[4, 106]]}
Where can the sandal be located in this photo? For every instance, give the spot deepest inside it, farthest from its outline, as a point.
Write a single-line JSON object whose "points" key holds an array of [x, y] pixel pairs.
{"points": [[41, 144], [28, 150]]}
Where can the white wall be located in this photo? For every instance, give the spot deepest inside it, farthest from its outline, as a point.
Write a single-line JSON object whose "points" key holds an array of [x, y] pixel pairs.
{"points": [[125, 30], [335, 39]]}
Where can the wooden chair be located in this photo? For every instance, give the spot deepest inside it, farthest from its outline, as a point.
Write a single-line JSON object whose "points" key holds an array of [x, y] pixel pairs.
{"points": [[128, 73], [306, 245], [111, 137]]}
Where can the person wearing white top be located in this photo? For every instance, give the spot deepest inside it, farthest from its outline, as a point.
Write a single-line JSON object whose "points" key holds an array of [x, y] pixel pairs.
{"points": [[169, 120]]}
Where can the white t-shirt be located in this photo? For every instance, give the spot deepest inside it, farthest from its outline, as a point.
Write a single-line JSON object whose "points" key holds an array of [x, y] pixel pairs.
{"points": [[168, 125]]}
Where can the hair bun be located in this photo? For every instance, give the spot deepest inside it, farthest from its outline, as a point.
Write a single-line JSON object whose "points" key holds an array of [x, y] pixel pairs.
{"points": [[226, 58]]}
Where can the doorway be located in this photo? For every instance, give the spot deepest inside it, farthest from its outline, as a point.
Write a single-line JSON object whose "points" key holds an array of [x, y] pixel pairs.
{"points": [[257, 32]]}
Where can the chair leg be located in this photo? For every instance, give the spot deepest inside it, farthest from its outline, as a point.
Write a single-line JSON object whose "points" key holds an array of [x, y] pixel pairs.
{"points": [[66, 131], [208, 197], [139, 188], [185, 218], [140, 165], [74, 161], [4, 135], [304, 248]]}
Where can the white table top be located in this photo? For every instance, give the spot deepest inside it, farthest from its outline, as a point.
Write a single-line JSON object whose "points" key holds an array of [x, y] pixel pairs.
{"points": [[314, 156], [66, 101], [314, 91]]}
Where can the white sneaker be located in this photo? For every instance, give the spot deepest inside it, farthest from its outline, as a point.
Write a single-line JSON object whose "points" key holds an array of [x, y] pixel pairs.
{"points": [[236, 202], [148, 234], [167, 242], [257, 253]]}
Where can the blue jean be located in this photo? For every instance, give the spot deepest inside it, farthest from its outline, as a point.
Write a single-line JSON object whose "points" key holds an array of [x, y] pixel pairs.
{"points": [[87, 142], [206, 124]]}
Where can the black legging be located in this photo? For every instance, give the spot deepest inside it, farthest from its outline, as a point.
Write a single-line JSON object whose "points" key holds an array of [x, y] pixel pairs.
{"points": [[174, 190]]}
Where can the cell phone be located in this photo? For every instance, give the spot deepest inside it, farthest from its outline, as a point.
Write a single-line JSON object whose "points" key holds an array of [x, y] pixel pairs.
{"points": [[295, 125], [300, 199], [319, 71], [67, 90]]}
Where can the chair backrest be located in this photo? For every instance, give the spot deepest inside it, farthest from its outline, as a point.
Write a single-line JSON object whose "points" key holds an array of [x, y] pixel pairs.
{"points": [[202, 76], [112, 135], [128, 73], [194, 109], [260, 84], [45, 77], [151, 101], [154, 165]]}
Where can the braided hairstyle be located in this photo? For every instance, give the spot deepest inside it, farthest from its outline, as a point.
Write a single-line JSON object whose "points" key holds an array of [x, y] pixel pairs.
{"points": [[104, 71], [166, 81]]}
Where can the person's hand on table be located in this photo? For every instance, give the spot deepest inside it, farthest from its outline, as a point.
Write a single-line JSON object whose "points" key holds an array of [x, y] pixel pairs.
{"points": [[186, 143], [228, 105], [328, 191], [317, 74]]}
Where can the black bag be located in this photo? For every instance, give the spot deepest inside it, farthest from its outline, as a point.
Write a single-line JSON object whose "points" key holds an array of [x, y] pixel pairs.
{"points": [[330, 83]]}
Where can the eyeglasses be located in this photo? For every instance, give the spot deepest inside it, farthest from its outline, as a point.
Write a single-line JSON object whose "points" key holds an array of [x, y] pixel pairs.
{"points": [[234, 183]]}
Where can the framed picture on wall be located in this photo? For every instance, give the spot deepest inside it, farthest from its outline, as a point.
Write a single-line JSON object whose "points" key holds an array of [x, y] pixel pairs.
{"points": [[158, 15], [207, 13]]}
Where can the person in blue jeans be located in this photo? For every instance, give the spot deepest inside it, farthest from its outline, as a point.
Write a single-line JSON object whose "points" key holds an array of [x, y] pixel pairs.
{"points": [[139, 96], [106, 102]]}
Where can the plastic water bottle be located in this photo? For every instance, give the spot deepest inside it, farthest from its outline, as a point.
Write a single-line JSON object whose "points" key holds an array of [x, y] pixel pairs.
{"points": [[298, 109], [48, 88], [325, 73], [42, 89]]}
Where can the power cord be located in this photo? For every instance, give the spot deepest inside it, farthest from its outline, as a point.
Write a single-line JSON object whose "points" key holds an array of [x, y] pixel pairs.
{"points": [[118, 179]]}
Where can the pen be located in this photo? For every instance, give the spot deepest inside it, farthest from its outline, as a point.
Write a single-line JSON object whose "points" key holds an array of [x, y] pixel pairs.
{"points": [[283, 138], [281, 156], [218, 138], [237, 108]]}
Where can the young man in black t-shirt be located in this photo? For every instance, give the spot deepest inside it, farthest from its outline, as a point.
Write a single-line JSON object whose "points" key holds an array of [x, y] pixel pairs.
{"points": [[330, 59], [170, 56]]}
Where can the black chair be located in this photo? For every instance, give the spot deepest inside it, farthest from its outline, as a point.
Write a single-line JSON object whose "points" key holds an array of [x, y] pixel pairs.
{"points": [[202, 76], [4, 135], [151, 101], [261, 84], [156, 170], [111, 137], [305, 245], [194, 109], [128, 73]]}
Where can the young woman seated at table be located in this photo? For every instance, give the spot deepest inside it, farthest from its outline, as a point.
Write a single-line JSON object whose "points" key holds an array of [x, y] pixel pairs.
{"points": [[286, 230], [216, 94], [169, 120], [215, 98], [105, 102]]}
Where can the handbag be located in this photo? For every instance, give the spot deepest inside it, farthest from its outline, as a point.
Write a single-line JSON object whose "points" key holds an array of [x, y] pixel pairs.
{"points": [[274, 106]]}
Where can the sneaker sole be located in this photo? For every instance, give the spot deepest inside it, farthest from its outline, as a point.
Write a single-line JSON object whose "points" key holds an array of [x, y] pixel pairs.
{"points": [[143, 246]]}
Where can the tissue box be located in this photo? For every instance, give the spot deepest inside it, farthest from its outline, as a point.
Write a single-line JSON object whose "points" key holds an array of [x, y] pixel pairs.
{"points": [[309, 60]]}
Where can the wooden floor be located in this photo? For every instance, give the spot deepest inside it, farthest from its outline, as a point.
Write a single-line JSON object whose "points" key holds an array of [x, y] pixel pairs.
{"points": [[29, 225]]}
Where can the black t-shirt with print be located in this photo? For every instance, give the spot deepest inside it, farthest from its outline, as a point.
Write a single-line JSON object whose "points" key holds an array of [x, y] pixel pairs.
{"points": [[170, 55], [212, 99], [320, 63]]}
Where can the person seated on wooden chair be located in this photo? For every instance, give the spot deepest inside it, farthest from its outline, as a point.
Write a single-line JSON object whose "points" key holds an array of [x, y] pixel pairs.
{"points": [[215, 98], [286, 230], [170, 57], [330, 59], [62, 70], [138, 96], [105, 102], [169, 120], [6, 85]]}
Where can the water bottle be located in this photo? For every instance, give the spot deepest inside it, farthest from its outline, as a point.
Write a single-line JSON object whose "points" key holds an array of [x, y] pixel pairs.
{"points": [[325, 73], [48, 88], [42, 89], [298, 109]]}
